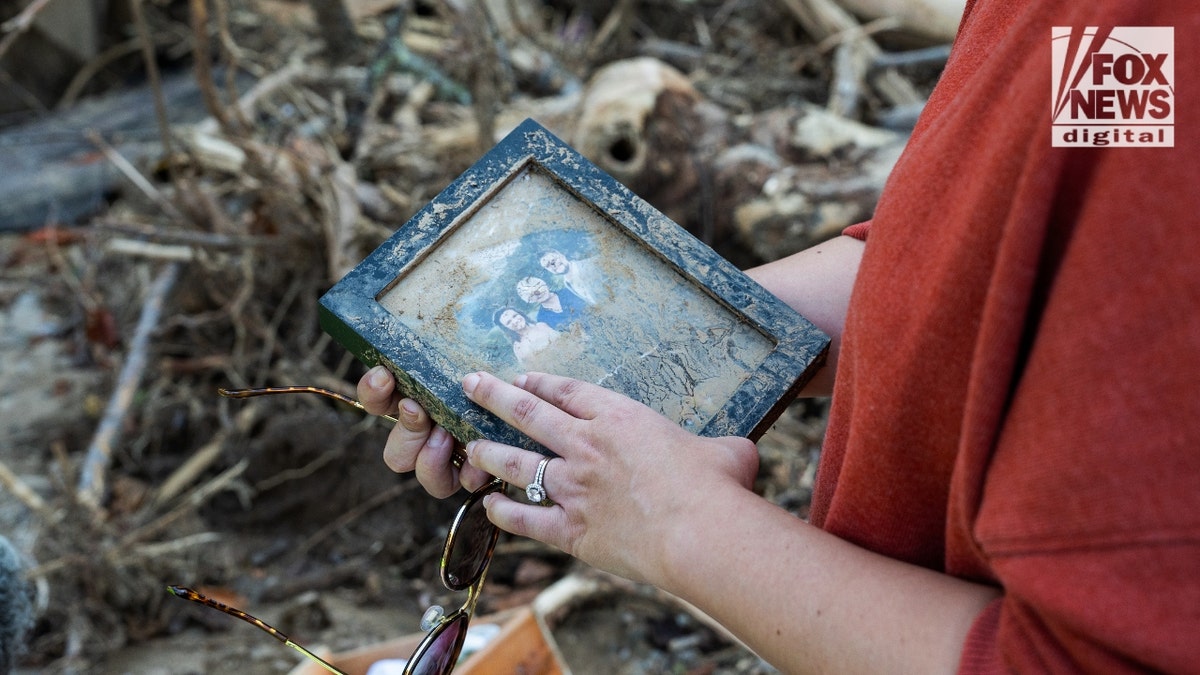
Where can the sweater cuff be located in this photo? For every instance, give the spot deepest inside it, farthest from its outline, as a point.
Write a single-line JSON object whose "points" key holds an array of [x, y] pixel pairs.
{"points": [[858, 231], [981, 652]]}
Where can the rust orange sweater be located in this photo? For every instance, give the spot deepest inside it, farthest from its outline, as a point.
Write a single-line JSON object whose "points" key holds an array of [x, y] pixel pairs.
{"points": [[1018, 393]]}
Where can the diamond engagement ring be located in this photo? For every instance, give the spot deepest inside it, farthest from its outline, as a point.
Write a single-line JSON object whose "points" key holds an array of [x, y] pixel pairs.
{"points": [[535, 491]]}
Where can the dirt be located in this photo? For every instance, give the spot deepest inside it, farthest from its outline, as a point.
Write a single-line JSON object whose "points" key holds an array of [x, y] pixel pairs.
{"points": [[283, 506]]}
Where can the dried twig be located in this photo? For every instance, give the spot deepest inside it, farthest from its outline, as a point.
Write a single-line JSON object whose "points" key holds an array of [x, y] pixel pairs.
{"points": [[857, 32], [822, 19], [203, 458], [620, 15], [845, 90], [21, 490], [850, 68], [128, 170], [151, 63], [394, 54], [205, 240], [289, 475], [195, 498], [295, 69], [935, 55], [150, 249], [234, 54], [20, 23], [93, 476], [159, 549], [89, 70], [203, 67], [342, 213]]}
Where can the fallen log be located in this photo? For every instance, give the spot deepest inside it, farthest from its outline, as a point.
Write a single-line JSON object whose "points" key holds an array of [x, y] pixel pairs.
{"points": [[54, 173]]}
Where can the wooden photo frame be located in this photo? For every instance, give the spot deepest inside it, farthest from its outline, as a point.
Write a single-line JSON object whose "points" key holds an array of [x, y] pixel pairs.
{"points": [[535, 259]]}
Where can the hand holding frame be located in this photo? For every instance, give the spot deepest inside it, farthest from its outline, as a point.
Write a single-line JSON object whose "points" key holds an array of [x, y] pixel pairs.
{"points": [[624, 478]]}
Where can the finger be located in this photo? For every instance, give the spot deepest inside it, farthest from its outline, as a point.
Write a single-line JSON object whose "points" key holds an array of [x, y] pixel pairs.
{"points": [[514, 466], [413, 418], [434, 469], [581, 399], [547, 525], [537, 418], [407, 438], [375, 391], [472, 477]]}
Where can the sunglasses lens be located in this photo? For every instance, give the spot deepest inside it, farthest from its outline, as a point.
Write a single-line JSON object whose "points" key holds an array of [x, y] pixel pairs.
{"points": [[470, 546], [440, 657]]}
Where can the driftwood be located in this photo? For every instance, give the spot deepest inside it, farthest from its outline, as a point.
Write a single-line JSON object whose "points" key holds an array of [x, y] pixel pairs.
{"points": [[628, 111], [833, 180], [936, 20], [826, 20], [798, 176], [643, 122], [52, 171]]}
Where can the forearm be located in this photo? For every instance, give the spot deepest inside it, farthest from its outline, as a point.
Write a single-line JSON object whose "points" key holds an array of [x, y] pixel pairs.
{"points": [[817, 282], [809, 602]]}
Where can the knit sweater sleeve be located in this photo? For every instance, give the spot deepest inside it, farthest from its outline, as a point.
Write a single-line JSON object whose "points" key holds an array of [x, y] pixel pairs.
{"points": [[858, 231], [1015, 398]]}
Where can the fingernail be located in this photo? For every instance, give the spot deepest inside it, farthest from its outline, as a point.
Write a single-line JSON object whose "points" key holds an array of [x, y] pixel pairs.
{"points": [[438, 438], [470, 382], [410, 410], [470, 449], [378, 376], [520, 381]]}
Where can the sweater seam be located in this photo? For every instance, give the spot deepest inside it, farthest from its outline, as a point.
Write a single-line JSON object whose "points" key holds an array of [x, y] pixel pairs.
{"points": [[1050, 544]]}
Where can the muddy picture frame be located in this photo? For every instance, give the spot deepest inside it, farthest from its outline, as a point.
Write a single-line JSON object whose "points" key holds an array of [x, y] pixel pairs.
{"points": [[536, 259]]}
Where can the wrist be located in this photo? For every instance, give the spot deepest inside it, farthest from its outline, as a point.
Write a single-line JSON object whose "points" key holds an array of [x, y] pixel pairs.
{"points": [[706, 524]]}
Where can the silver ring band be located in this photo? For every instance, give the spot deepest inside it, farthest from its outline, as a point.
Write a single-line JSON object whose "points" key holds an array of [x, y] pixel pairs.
{"points": [[535, 492]]}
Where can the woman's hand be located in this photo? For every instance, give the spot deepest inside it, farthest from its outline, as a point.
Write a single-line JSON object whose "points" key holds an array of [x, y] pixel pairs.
{"points": [[623, 482], [625, 479], [415, 444]]}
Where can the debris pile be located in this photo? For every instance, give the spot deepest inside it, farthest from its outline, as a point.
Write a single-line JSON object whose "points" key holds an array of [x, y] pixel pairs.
{"points": [[178, 241]]}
